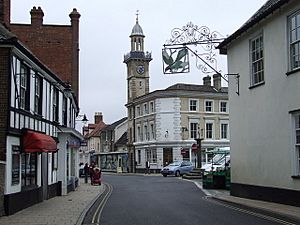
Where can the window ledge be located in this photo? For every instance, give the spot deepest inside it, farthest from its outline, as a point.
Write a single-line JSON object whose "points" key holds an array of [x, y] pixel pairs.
{"points": [[292, 71], [296, 177], [257, 85]]}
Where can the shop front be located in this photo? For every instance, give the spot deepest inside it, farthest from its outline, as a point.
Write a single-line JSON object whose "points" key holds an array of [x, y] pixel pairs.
{"points": [[30, 170]]}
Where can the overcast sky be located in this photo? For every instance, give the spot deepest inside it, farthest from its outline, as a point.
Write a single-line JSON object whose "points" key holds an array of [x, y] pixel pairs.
{"points": [[105, 27]]}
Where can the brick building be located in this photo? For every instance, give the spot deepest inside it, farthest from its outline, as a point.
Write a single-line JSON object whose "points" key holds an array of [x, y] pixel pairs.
{"points": [[38, 142], [55, 45]]}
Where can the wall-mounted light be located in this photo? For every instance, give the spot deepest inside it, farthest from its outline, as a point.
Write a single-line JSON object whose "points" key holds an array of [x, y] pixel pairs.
{"points": [[184, 129], [167, 134], [82, 118]]}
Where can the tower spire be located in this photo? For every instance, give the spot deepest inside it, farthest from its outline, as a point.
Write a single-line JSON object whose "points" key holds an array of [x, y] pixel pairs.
{"points": [[137, 16]]}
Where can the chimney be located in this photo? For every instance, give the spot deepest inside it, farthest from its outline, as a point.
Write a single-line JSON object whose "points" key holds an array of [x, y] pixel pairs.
{"points": [[217, 81], [74, 15], [98, 117], [207, 80], [5, 12], [37, 15]]}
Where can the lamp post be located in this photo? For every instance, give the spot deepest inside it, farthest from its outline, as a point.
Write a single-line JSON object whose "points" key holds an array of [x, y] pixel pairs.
{"points": [[199, 152]]}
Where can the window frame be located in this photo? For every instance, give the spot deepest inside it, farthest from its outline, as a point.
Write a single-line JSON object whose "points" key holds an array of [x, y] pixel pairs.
{"points": [[32, 162], [222, 131], [226, 108], [212, 106], [194, 127], [296, 132], [256, 56], [292, 42], [193, 107], [211, 131]]}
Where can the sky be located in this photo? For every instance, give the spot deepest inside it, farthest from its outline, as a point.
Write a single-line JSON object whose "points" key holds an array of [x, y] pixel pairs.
{"points": [[105, 26]]}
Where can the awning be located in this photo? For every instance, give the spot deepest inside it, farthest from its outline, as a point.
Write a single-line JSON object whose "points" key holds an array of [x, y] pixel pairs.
{"points": [[38, 142]]}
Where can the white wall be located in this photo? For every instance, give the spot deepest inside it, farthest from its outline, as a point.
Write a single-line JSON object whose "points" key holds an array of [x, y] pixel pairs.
{"points": [[260, 125]]}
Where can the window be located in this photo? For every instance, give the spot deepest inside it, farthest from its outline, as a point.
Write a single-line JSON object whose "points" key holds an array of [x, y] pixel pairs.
{"points": [[28, 169], [294, 36], [224, 131], [24, 88], [151, 107], [65, 111], [152, 131], [151, 155], [15, 170], [209, 130], [139, 137], [193, 105], [297, 133], [146, 108], [146, 134], [38, 94], [208, 106], [257, 60], [138, 111], [193, 130], [55, 104], [223, 107], [139, 157]]}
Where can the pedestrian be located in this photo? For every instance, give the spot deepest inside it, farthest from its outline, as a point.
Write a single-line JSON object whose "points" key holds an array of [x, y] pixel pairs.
{"points": [[148, 167], [86, 170], [92, 166]]}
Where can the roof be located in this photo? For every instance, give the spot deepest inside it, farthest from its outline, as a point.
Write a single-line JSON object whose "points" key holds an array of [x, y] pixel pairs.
{"points": [[137, 29], [98, 128], [122, 140], [267, 9], [195, 87], [114, 125]]}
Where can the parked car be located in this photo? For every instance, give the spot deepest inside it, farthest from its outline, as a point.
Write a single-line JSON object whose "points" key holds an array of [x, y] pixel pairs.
{"points": [[177, 168], [217, 164], [81, 170]]}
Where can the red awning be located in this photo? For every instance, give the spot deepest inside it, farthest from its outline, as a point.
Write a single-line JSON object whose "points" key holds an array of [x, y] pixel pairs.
{"points": [[38, 142]]}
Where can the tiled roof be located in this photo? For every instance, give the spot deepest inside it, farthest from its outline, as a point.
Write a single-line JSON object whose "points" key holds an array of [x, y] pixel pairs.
{"points": [[268, 8], [96, 132]]}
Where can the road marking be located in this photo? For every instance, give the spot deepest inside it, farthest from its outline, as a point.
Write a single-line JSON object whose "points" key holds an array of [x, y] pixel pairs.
{"points": [[101, 205], [259, 215]]}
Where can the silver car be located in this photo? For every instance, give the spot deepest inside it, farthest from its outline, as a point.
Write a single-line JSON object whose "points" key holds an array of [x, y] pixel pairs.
{"points": [[177, 168]]}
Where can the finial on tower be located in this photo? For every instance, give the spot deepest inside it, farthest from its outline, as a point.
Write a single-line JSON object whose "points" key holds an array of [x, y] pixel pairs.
{"points": [[137, 16]]}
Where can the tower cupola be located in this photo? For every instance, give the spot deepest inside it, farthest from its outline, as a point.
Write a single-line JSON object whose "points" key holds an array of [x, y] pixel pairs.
{"points": [[137, 37]]}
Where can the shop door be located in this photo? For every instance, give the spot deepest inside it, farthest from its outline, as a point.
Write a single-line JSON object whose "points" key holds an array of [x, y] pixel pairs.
{"points": [[45, 175], [167, 156]]}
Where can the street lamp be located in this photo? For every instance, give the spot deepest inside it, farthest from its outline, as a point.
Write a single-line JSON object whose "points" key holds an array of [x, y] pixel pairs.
{"points": [[82, 118], [199, 152]]}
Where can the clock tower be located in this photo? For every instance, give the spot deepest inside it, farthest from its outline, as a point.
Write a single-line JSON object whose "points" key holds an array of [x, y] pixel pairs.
{"points": [[137, 62]]}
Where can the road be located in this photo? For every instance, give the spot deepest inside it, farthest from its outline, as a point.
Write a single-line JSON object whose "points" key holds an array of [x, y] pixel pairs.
{"points": [[157, 200]]}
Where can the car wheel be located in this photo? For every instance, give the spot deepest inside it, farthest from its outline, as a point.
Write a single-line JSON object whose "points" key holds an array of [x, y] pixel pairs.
{"points": [[165, 175], [177, 173]]}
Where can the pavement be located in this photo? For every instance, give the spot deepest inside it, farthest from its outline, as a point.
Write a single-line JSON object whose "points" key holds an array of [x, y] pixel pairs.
{"points": [[71, 209]]}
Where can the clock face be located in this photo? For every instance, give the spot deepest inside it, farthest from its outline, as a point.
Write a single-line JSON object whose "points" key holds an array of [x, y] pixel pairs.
{"points": [[140, 69]]}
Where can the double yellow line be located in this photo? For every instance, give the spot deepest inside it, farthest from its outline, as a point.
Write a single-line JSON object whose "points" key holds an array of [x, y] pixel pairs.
{"points": [[97, 214], [259, 215]]}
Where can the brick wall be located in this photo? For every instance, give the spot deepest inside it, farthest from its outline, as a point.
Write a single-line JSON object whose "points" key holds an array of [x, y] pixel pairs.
{"points": [[4, 96], [57, 46]]}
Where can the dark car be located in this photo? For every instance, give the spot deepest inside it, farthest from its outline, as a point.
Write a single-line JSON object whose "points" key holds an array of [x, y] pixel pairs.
{"points": [[177, 168]]}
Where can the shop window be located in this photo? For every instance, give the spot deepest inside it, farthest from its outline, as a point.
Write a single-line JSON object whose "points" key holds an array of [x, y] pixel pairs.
{"points": [[28, 169], [15, 170]]}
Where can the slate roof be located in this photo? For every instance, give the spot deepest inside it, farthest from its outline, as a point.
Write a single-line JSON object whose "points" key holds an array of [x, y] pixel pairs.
{"points": [[195, 87], [122, 140], [113, 125], [268, 8]]}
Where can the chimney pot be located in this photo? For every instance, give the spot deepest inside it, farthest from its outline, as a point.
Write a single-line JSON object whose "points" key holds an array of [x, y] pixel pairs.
{"points": [[37, 15], [217, 81], [207, 80]]}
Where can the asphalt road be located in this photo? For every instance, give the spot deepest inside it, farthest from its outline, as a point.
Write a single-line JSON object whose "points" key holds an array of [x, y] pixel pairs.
{"points": [[157, 200]]}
